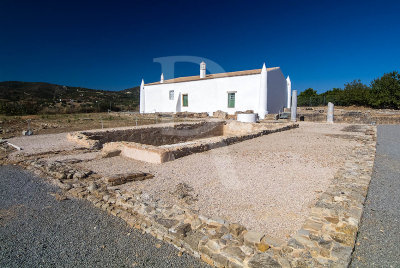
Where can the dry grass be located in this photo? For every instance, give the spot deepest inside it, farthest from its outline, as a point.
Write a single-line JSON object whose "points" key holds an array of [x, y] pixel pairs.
{"points": [[12, 126]]}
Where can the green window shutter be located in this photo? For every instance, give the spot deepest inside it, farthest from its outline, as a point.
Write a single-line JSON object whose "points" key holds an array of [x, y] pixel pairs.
{"points": [[185, 100], [231, 100]]}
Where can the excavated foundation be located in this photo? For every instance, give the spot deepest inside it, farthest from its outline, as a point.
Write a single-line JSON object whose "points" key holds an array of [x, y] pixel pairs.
{"points": [[167, 142]]}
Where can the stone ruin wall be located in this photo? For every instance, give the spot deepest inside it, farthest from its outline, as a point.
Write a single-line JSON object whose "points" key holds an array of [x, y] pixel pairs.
{"points": [[319, 114], [326, 239], [157, 136]]}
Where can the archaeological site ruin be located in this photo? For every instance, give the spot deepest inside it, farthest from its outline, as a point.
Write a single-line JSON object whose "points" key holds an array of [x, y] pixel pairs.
{"points": [[159, 144], [235, 194]]}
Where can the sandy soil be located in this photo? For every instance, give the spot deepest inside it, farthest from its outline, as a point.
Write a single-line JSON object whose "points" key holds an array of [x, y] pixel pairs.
{"points": [[268, 183]]}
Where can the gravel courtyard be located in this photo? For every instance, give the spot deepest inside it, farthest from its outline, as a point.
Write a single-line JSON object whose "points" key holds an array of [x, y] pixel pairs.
{"points": [[36, 230], [267, 184]]}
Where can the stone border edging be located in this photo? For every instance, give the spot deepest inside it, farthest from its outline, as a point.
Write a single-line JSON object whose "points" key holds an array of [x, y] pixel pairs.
{"points": [[326, 239]]}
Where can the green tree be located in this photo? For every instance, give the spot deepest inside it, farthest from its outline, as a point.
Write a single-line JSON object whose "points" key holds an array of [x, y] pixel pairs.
{"points": [[309, 92], [308, 97], [385, 91], [355, 93]]}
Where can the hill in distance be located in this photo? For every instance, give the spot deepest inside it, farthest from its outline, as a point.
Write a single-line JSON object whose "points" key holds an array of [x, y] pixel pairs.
{"points": [[19, 98]]}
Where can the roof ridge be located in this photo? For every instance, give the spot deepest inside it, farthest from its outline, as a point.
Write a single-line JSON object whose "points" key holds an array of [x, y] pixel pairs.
{"points": [[210, 76]]}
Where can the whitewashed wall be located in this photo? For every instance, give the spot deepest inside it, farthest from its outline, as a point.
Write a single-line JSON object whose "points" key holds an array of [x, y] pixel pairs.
{"points": [[277, 91], [210, 95]]}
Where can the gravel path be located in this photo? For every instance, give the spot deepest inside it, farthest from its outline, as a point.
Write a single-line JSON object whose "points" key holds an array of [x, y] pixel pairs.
{"points": [[38, 231], [378, 241]]}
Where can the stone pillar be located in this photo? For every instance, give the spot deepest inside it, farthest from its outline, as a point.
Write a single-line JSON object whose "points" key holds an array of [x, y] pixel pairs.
{"points": [[329, 118], [293, 109]]}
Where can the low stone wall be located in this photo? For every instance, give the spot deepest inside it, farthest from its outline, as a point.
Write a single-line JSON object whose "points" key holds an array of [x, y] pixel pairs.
{"points": [[205, 145], [207, 135], [326, 239], [317, 114], [161, 154], [157, 135]]}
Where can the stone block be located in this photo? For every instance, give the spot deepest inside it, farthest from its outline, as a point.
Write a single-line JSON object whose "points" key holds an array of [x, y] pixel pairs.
{"points": [[312, 225], [343, 238], [262, 246], [213, 245], [346, 228], [119, 179], [196, 223], [272, 241], [261, 260], [252, 237], [110, 153], [247, 250], [333, 220], [234, 254], [193, 239], [167, 223], [181, 230], [207, 259], [232, 264], [341, 252]]}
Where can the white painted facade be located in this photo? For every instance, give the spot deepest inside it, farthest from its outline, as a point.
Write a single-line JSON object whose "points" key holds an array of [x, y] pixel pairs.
{"points": [[289, 91], [263, 91]]}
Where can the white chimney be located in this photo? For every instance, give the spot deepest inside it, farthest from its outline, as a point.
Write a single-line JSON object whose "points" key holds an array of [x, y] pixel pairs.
{"points": [[202, 69], [162, 78]]}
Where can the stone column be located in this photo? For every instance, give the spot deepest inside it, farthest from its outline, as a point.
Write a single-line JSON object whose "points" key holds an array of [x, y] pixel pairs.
{"points": [[293, 109], [329, 118]]}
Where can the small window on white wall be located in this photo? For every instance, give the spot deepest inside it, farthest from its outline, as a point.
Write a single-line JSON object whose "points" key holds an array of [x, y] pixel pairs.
{"points": [[171, 95]]}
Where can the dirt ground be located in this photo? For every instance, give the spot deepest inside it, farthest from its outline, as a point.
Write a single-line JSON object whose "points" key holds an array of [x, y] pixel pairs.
{"points": [[267, 184], [12, 126]]}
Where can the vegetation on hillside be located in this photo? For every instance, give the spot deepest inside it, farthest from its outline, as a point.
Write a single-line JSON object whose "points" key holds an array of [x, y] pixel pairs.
{"points": [[22, 98], [25, 98], [382, 93]]}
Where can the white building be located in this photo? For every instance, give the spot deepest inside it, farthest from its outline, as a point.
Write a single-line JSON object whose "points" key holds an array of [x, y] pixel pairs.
{"points": [[262, 90]]}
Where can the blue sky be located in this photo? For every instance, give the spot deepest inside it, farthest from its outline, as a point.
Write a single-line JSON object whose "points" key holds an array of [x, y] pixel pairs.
{"points": [[111, 44]]}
